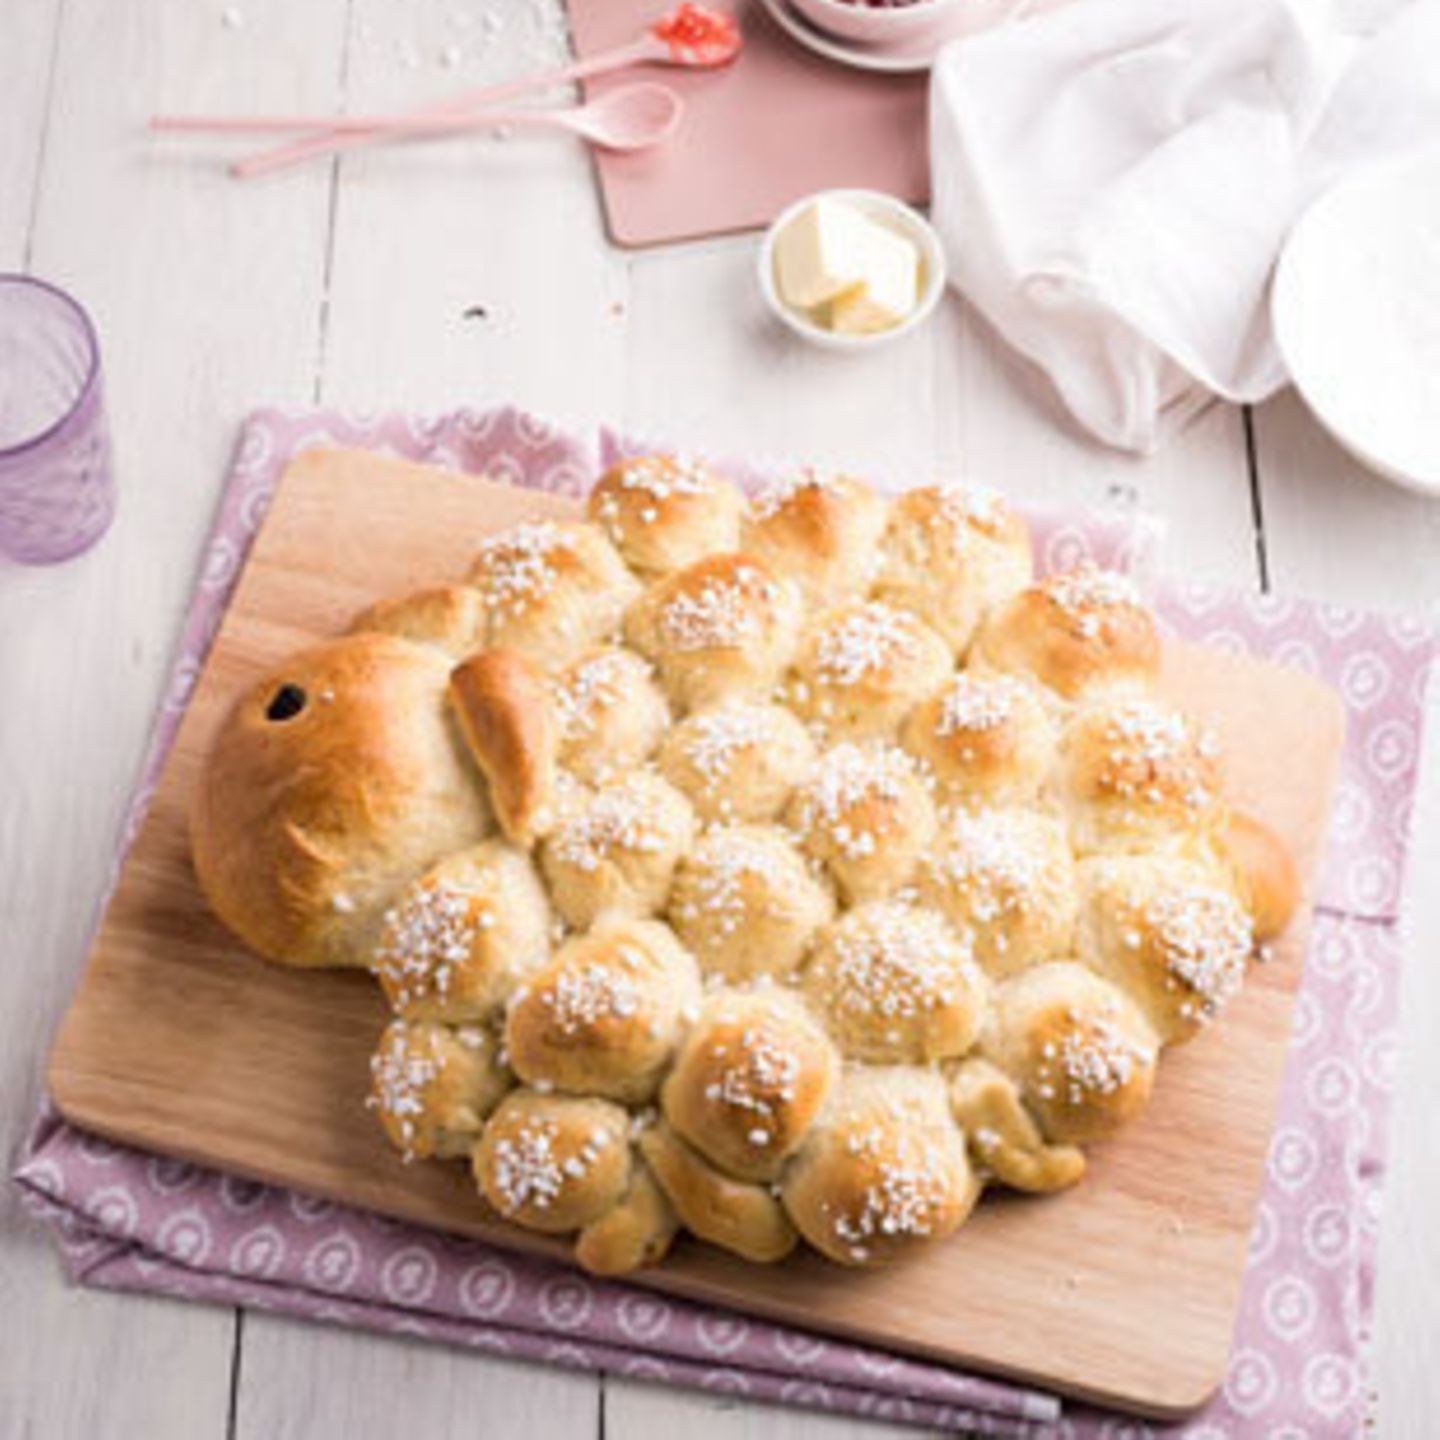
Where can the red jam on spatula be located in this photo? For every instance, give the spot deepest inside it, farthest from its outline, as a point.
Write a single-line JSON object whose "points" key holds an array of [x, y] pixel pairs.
{"points": [[699, 36]]}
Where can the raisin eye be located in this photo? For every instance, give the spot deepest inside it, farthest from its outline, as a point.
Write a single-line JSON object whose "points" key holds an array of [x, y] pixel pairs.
{"points": [[286, 703]]}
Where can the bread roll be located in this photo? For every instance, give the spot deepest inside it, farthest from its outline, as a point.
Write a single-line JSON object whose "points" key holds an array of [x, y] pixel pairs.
{"points": [[633, 1233], [502, 707], [663, 513], [951, 555], [1006, 879], [1081, 1052], [1084, 633], [604, 1015], [738, 761], [867, 815], [617, 850], [746, 902], [863, 667], [895, 984], [460, 938], [433, 1085], [551, 591], [749, 1081], [1263, 872], [449, 617], [328, 787], [987, 739], [723, 626], [554, 1162], [610, 714], [1136, 775], [820, 531], [884, 1172], [744, 1219], [1166, 933]]}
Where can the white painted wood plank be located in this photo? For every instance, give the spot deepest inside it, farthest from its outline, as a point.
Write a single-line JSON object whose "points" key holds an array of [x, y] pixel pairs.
{"points": [[421, 234], [1337, 532], [205, 300], [299, 1381], [637, 1411], [26, 54], [711, 369], [426, 232], [999, 422], [1333, 529]]}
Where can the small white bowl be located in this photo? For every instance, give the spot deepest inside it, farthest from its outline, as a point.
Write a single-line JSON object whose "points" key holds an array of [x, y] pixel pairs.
{"points": [[879, 25], [887, 211], [1356, 314]]}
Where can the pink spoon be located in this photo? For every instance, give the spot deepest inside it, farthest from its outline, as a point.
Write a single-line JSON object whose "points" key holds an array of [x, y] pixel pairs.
{"points": [[692, 36], [633, 117]]}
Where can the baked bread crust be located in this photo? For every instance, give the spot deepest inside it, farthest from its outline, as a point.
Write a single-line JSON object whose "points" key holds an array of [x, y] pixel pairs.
{"points": [[663, 513], [738, 761], [432, 1086], [463, 935], [884, 1172], [449, 617], [1081, 633], [1006, 879], [616, 850], [726, 625], [746, 903], [610, 715], [867, 816], [604, 1015], [502, 705], [987, 739], [863, 667], [751, 1079], [821, 531], [551, 591], [951, 554], [841, 869], [329, 786]]}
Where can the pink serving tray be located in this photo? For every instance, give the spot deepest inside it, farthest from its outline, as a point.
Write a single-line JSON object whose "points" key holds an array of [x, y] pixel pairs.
{"points": [[777, 124]]}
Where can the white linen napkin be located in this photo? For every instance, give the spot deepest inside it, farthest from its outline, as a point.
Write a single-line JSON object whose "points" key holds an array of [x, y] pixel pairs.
{"points": [[1113, 181]]}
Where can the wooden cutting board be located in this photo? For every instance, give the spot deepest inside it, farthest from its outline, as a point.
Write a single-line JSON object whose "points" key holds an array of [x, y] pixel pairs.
{"points": [[1122, 1291]]}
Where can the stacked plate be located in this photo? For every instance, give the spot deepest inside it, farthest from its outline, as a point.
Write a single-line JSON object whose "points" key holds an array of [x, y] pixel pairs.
{"points": [[900, 37]]}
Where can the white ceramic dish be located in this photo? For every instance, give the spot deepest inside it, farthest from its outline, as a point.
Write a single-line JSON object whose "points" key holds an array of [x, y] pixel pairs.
{"points": [[1356, 313], [888, 211], [876, 25], [904, 57]]}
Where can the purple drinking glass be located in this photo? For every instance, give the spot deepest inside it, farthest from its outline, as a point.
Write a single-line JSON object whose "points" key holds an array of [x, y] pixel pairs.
{"points": [[57, 492]]}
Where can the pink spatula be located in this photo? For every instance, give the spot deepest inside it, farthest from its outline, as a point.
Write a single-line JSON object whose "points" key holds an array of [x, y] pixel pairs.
{"points": [[632, 117]]}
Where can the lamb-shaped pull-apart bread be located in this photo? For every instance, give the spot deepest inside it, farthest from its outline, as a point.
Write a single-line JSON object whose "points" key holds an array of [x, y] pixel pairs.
{"points": [[778, 871], [329, 787]]}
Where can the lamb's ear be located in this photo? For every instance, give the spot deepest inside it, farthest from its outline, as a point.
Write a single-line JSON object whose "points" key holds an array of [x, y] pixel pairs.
{"points": [[502, 704]]}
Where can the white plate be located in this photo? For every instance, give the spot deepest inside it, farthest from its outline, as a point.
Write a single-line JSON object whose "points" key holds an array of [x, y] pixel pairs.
{"points": [[902, 58], [1356, 301]]}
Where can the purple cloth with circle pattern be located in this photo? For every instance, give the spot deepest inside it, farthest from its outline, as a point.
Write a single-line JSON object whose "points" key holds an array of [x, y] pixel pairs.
{"points": [[131, 1221]]}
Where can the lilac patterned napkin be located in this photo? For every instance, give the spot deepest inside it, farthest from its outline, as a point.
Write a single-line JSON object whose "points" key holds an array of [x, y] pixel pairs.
{"points": [[126, 1220]]}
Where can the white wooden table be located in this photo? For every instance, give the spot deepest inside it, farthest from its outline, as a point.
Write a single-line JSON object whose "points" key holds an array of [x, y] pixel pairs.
{"points": [[349, 285]]}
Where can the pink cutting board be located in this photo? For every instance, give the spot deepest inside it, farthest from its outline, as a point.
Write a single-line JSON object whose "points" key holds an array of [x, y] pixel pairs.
{"points": [[777, 124]]}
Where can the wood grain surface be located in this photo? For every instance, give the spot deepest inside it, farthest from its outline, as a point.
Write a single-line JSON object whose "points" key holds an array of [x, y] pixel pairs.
{"points": [[1121, 1291]]}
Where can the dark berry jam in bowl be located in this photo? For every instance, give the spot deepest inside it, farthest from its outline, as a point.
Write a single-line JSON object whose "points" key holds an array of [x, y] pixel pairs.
{"points": [[890, 22]]}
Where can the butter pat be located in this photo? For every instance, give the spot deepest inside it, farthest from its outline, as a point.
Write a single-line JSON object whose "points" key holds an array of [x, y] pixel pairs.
{"points": [[833, 255]]}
